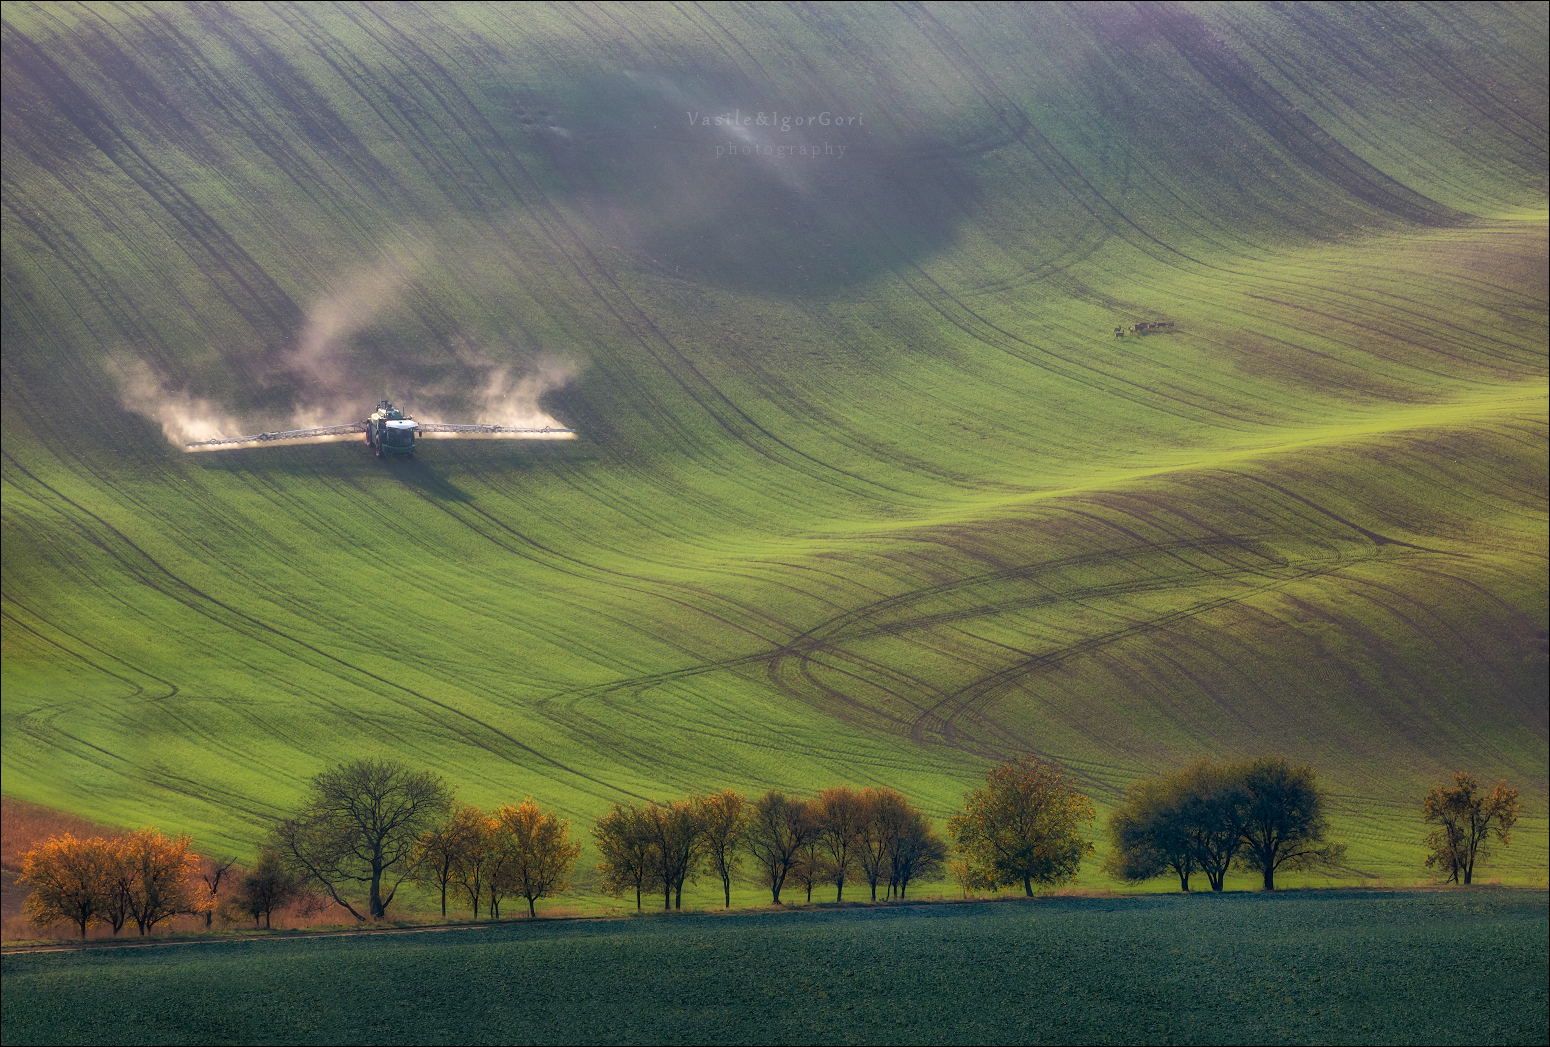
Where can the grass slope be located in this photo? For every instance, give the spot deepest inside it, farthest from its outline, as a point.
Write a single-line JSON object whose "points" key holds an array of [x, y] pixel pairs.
{"points": [[867, 491], [1299, 968]]}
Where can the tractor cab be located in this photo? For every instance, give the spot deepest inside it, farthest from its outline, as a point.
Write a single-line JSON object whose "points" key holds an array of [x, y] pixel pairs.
{"points": [[389, 432]]}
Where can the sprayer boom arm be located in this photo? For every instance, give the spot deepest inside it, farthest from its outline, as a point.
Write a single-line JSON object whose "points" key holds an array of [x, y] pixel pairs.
{"points": [[292, 434], [360, 427], [449, 427]]}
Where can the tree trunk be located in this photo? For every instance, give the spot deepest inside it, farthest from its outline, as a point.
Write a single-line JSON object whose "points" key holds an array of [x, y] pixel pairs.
{"points": [[532, 913], [376, 891], [726, 887], [678, 896], [1028, 886], [1270, 877], [443, 899], [1184, 880]]}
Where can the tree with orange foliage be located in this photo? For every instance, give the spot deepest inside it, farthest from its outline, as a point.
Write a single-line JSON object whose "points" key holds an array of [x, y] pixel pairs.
{"points": [[71, 880], [624, 842], [500, 845], [542, 854], [162, 879], [472, 869], [118, 886]]}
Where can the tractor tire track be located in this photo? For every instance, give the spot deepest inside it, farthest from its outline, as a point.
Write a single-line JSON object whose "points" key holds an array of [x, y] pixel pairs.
{"points": [[199, 602]]}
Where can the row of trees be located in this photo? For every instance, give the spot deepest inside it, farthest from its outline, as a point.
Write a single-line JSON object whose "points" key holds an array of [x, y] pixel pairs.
{"points": [[146, 879], [872, 836], [1263, 815], [373, 825], [1267, 815], [519, 851]]}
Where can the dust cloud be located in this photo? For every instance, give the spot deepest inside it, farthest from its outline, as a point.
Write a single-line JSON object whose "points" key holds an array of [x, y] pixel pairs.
{"points": [[505, 398], [330, 392], [183, 417]]}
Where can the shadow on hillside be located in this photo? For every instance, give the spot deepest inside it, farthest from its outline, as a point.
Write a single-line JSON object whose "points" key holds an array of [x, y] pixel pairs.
{"points": [[762, 188]]}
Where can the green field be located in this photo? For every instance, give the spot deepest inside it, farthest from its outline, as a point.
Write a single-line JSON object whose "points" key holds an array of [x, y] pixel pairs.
{"points": [[1296, 968], [865, 488]]}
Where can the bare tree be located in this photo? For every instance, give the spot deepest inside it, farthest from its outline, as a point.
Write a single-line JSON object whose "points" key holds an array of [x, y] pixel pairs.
{"points": [[1466, 819], [213, 871], [724, 818], [359, 827], [842, 817], [886, 817], [441, 849], [675, 831], [778, 828], [629, 855]]}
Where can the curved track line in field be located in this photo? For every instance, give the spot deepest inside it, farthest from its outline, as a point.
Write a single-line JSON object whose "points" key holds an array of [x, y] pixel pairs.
{"points": [[556, 220], [820, 646], [971, 698], [139, 692], [1372, 536], [1388, 332], [957, 56], [77, 107], [204, 598]]}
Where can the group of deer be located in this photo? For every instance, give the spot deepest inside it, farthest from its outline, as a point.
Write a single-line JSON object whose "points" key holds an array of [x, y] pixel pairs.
{"points": [[1144, 327]]}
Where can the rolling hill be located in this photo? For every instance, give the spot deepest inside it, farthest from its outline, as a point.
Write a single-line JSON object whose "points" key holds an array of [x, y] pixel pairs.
{"points": [[866, 487]]}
